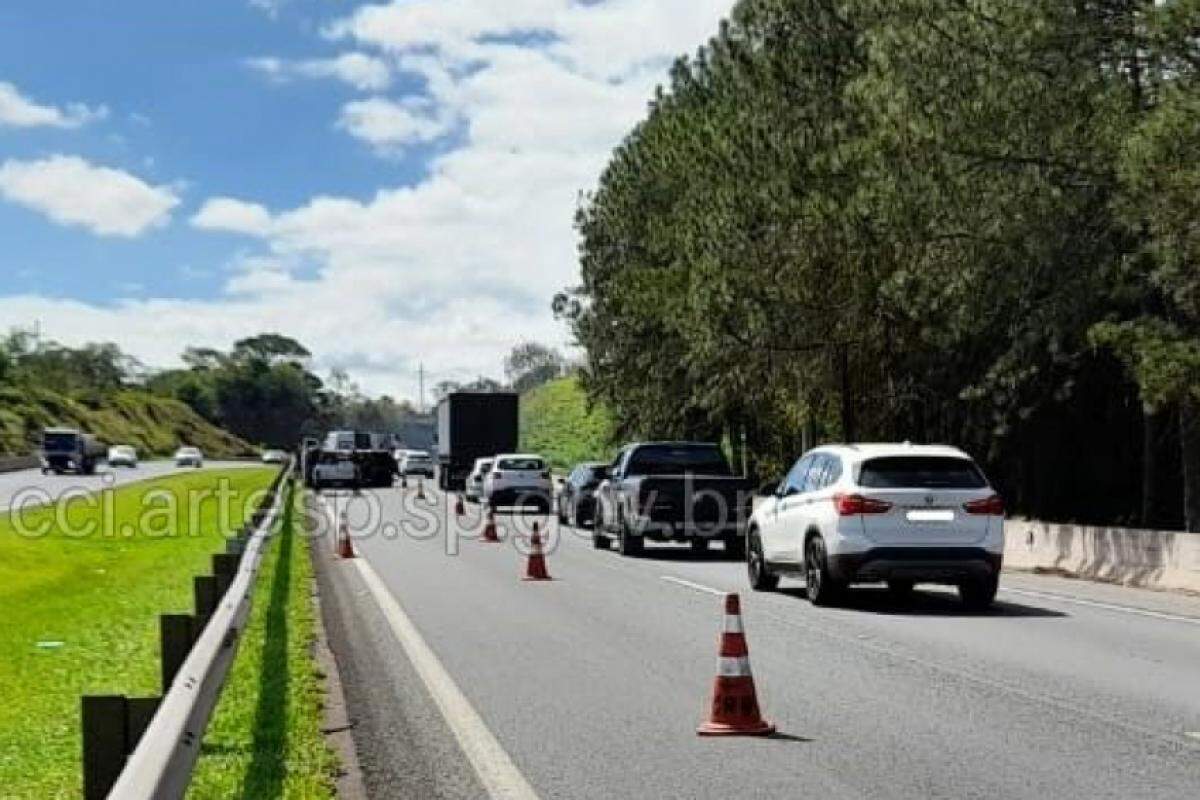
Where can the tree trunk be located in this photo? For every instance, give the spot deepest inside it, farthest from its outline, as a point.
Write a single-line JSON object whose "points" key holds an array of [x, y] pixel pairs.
{"points": [[1151, 488], [843, 367], [1189, 440]]}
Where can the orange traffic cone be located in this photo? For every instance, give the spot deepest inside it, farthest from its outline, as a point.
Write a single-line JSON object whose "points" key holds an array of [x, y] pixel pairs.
{"points": [[459, 510], [734, 702], [343, 547], [489, 529], [535, 569], [420, 489]]}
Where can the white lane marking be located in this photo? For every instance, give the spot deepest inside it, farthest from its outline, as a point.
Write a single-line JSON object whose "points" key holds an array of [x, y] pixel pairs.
{"points": [[1141, 612], [697, 586], [498, 774], [1192, 735]]}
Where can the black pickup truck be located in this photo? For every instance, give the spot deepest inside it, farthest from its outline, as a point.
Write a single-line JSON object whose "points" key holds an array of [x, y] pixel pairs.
{"points": [[672, 491]]}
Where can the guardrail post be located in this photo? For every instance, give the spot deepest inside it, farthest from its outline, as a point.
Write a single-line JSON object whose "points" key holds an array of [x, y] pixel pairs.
{"points": [[138, 713], [208, 595], [225, 566], [176, 635], [103, 744]]}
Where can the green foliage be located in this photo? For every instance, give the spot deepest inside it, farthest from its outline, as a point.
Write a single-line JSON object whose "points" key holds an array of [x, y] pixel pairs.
{"points": [[100, 597], [558, 423], [154, 425], [923, 219]]}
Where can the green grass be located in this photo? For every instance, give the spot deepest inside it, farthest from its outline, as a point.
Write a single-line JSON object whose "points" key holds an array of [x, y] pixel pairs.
{"points": [[153, 424], [556, 423], [100, 596], [265, 739]]}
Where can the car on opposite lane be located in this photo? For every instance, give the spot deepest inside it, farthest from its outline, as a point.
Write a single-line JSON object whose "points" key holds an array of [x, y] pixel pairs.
{"points": [[189, 457], [519, 480], [274, 457], [896, 513], [576, 499], [474, 484], [122, 455]]}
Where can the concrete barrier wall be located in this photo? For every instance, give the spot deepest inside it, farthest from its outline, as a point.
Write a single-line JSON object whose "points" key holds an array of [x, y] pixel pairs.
{"points": [[1153, 559], [14, 463]]}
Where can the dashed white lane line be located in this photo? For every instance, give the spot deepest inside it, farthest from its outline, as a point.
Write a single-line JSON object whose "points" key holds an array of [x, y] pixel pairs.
{"points": [[696, 586], [1079, 601], [496, 770]]}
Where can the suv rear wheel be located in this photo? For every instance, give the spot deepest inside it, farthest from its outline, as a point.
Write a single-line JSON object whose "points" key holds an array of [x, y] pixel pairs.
{"points": [[978, 594], [821, 587]]}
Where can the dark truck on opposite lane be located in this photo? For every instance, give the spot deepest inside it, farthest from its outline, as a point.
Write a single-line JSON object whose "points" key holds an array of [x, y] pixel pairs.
{"points": [[672, 491], [66, 449]]}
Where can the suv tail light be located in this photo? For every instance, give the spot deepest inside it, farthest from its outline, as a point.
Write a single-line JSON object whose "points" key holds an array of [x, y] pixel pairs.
{"points": [[849, 505], [993, 506]]}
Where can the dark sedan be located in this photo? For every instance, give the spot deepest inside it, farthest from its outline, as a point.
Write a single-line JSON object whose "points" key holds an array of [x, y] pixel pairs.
{"points": [[577, 494]]}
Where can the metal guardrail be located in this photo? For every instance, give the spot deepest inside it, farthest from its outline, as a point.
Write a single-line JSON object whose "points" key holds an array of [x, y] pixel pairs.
{"points": [[146, 748]]}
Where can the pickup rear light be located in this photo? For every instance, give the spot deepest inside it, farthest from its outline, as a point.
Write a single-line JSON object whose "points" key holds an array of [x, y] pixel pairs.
{"points": [[993, 506], [849, 505]]}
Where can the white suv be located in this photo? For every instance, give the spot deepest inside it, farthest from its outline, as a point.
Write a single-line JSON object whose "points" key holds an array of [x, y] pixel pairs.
{"points": [[518, 479], [897, 513]]}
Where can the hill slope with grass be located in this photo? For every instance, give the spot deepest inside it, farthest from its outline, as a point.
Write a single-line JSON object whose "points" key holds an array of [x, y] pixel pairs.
{"points": [[153, 424], [556, 422]]}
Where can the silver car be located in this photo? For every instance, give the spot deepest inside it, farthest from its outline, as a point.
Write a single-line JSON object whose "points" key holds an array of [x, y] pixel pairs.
{"points": [[189, 457], [122, 455]]}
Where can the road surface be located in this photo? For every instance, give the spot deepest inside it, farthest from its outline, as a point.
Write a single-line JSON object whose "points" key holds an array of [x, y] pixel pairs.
{"points": [[591, 686], [31, 482]]}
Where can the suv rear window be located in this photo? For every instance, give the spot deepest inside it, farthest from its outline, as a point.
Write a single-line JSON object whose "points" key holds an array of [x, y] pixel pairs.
{"points": [[522, 464], [674, 460], [920, 472]]}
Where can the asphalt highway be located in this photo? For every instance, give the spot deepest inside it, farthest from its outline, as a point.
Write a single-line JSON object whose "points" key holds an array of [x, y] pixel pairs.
{"points": [[592, 685], [29, 485]]}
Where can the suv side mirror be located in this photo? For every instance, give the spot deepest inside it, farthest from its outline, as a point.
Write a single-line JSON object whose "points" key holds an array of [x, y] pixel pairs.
{"points": [[769, 488]]}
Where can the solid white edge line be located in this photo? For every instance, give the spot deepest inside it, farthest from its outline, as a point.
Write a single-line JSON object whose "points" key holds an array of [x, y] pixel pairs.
{"points": [[496, 770], [697, 586], [1142, 612]]}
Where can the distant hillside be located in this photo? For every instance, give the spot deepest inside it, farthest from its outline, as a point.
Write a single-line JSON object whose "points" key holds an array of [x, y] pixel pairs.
{"points": [[154, 425], [555, 422]]}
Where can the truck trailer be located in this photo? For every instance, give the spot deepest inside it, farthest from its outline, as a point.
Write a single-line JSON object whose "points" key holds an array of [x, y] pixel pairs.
{"points": [[473, 425]]}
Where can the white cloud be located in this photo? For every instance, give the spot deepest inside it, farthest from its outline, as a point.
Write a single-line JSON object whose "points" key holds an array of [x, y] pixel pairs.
{"points": [[363, 72], [388, 125], [71, 191], [459, 265], [232, 216], [20, 112]]}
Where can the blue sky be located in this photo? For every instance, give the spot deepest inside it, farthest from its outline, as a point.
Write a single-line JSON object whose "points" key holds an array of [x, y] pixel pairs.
{"points": [[390, 183]]}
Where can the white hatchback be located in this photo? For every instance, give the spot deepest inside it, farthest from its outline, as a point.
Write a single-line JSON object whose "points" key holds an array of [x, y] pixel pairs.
{"points": [[895, 513], [518, 479]]}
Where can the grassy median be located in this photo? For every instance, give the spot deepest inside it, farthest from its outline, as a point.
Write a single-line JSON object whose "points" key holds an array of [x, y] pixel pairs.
{"points": [[82, 583], [265, 739]]}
